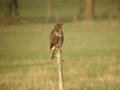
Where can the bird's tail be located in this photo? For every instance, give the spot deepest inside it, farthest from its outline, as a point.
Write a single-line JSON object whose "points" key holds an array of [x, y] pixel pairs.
{"points": [[52, 53]]}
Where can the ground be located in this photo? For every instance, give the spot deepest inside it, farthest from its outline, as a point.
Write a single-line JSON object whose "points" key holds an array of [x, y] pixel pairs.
{"points": [[91, 53]]}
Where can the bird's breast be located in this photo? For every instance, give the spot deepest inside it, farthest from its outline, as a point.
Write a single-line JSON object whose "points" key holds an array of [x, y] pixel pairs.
{"points": [[58, 34]]}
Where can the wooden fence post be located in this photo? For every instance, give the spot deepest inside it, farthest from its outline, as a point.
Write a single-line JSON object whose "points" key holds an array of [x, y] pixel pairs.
{"points": [[61, 83]]}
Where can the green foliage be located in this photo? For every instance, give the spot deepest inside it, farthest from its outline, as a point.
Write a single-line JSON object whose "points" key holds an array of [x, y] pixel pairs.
{"points": [[65, 9], [36, 10]]}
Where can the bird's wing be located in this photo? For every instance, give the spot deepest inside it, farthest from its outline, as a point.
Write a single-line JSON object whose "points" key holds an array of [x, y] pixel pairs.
{"points": [[53, 39], [62, 38]]}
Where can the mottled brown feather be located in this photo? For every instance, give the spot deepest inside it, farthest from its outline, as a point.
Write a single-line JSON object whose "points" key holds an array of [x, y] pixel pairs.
{"points": [[54, 39]]}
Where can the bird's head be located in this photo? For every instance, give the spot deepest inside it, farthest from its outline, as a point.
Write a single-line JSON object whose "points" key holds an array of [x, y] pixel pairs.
{"points": [[58, 26]]}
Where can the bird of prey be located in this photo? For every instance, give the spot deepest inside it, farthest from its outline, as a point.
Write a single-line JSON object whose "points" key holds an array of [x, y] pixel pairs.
{"points": [[56, 39]]}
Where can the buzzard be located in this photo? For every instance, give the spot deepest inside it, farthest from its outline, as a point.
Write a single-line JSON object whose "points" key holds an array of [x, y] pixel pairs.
{"points": [[56, 39]]}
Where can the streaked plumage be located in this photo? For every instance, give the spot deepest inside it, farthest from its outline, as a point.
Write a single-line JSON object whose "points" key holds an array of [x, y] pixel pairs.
{"points": [[56, 39]]}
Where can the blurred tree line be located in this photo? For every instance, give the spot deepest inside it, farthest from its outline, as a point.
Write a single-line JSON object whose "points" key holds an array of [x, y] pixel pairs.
{"points": [[117, 4], [87, 7], [8, 7]]}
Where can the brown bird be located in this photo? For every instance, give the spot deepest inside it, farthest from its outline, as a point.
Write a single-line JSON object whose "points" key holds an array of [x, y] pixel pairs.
{"points": [[56, 39]]}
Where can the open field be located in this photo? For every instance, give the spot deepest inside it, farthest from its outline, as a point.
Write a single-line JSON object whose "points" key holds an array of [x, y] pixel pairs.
{"points": [[79, 74], [91, 54], [84, 39], [91, 50]]}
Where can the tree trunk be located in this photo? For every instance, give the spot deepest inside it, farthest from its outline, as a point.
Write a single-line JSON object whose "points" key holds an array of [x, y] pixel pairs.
{"points": [[89, 9], [117, 4], [48, 11], [15, 3], [7, 10], [16, 8]]}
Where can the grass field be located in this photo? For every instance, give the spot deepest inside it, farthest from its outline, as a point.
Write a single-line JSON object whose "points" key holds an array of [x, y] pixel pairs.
{"points": [[91, 54], [91, 50]]}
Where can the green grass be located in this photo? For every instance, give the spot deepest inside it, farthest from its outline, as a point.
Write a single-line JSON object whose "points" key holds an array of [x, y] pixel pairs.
{"points": [[84, 39], [90, 74], [91, 50], [91, 54]]}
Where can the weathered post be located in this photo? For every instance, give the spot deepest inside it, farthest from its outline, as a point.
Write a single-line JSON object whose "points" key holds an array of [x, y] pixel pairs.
{"points": [[61, 83]]}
